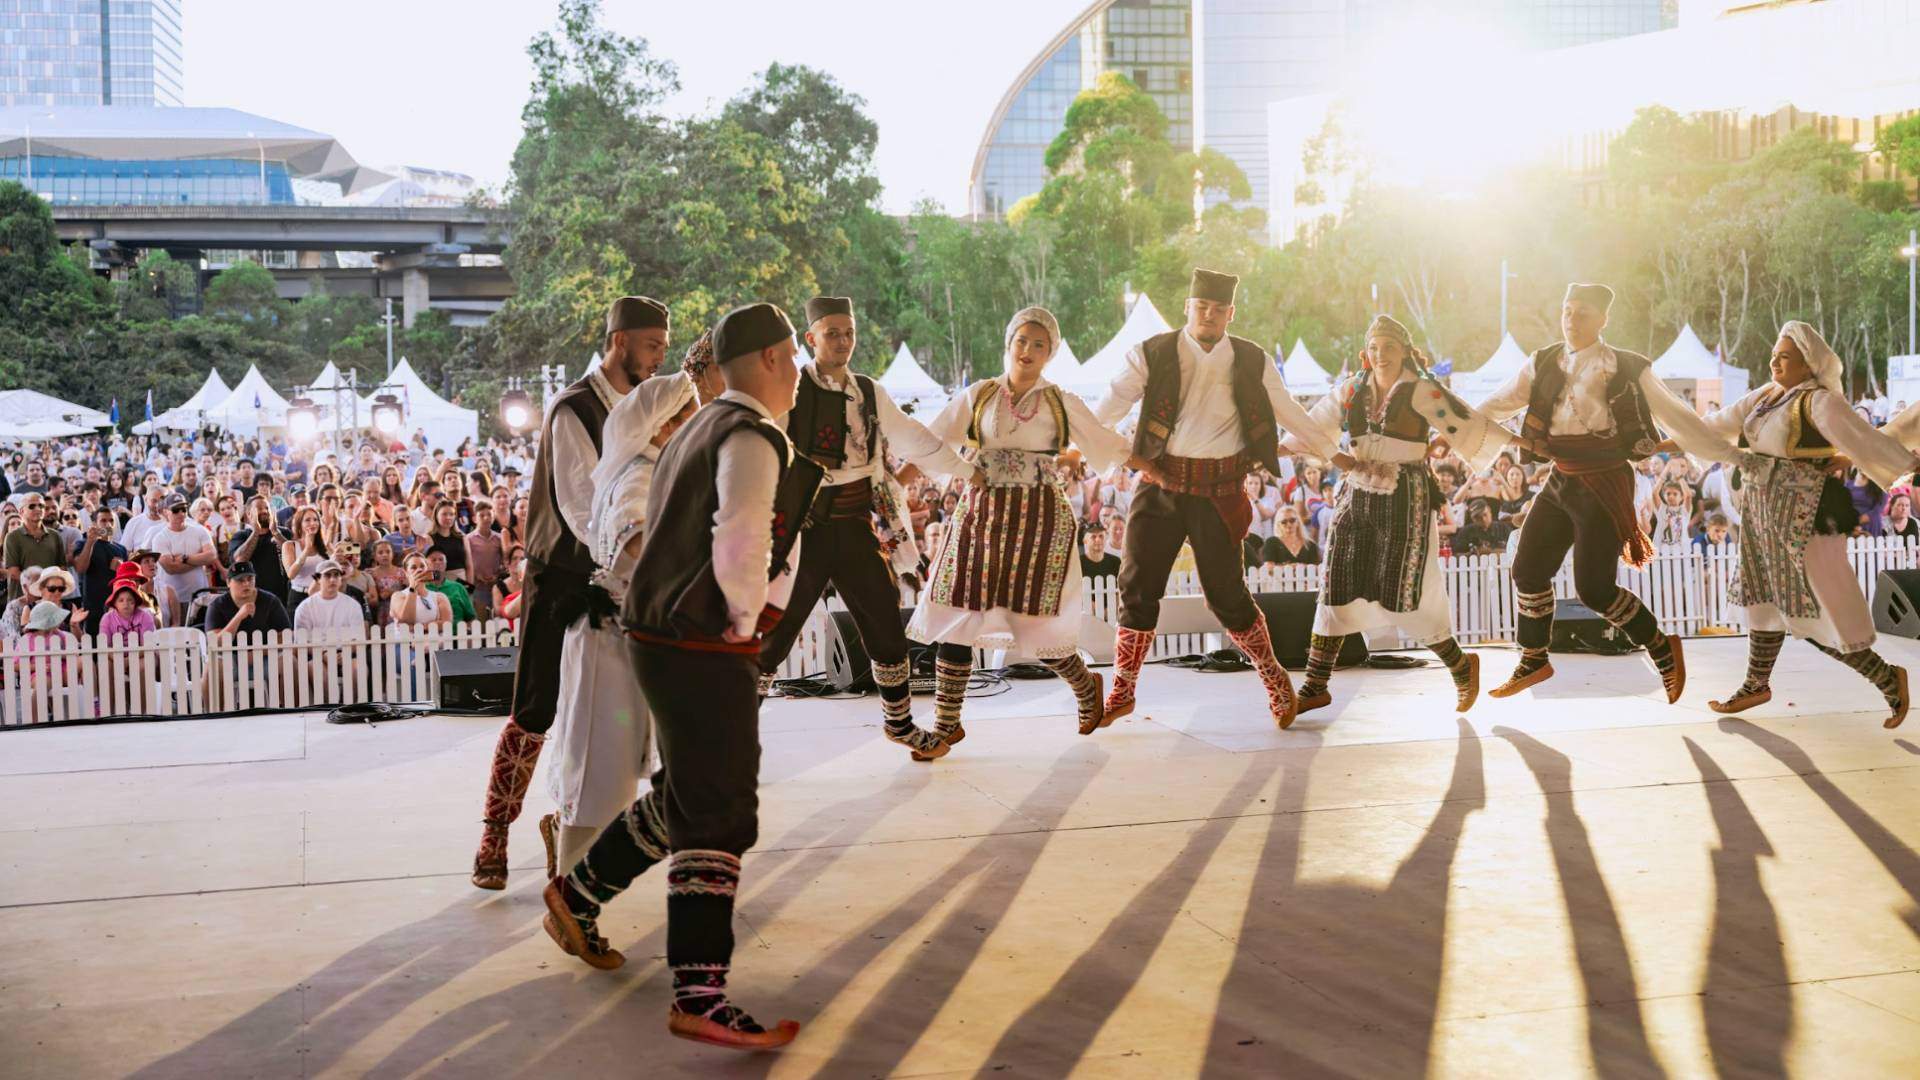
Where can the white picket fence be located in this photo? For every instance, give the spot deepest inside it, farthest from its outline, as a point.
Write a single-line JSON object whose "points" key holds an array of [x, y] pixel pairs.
{"points": [[183, 672], [1687, 593]]}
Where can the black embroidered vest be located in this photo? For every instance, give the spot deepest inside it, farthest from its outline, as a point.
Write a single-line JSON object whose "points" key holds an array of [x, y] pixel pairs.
{"points": [[1160, 405], [550, 544], [818, 423], [674, 593], [1633, 430]]}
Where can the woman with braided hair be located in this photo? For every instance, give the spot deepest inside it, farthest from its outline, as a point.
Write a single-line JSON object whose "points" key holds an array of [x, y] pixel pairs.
{"points": [[1795, 516], [1007, 572], [1382, 564]]}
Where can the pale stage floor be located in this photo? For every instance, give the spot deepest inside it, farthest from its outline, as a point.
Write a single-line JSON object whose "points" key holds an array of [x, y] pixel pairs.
{"points": [[1578, 880]]}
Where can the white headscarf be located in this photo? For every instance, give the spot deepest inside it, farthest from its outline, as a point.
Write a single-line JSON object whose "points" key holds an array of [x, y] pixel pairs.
{"points": [[1820, 357], [1035, 314], [631, 425]]}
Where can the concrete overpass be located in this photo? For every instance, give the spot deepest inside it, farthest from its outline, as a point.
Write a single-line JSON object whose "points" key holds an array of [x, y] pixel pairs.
{"points": [[417, 249], [469, 294]]}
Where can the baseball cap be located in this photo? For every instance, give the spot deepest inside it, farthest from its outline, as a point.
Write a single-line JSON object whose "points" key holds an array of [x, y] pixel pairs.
{"points": [[328, 566], [240, 569]]}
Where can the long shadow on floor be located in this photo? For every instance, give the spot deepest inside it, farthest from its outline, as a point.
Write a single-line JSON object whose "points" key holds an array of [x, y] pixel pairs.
{"points": [[351, 998], [1746, 1002], [997, 864], [1900, 860], [1616, 1032], [1054, 1032], [1331, 977], [543, 1022]]}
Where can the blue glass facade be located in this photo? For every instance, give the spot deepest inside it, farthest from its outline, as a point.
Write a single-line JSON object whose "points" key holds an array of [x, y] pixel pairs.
{"points": [[197, 181], [90, 52], [1146, 40], [1215, 65]]}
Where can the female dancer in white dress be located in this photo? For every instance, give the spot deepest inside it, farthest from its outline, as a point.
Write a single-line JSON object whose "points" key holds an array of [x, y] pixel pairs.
{"points": [[1795, 516], [1007, 572], [601, 734], [1382, 562]]}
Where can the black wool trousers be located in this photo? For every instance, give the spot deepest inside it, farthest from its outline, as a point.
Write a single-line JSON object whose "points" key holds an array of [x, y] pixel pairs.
{"points": [[845, 553], [1157, 524], [550, 601]]}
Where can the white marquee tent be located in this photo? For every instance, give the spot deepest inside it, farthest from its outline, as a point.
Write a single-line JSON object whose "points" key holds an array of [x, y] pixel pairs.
{"points": [[254, 404], [330, 388], [444, 423], [1687, 358], [905, 380], [1505, 362], [32, 406], [1688, 365], [1064, 363], [190, 415], [1304, 376], [1102, 368]]}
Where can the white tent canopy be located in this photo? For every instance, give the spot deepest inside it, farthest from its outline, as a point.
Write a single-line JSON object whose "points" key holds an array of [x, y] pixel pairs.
{"points": [[1064, 364], [1103, 367], [330, 388], [254, 404], [30, 406], [1303, 374], [444, 423], [189, 414], [30, 430], [1506, 361], [905, 380], [1687, 358]]}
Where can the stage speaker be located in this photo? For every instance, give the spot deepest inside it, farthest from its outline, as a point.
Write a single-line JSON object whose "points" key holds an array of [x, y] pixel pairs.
{"points": [[1896, 603], [1290, 622], [849, 668], [1577, 628], [480, 680]]}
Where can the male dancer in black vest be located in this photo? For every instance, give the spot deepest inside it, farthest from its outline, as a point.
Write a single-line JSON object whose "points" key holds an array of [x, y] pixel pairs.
{"points": [[1209, 405], [847, 423], [559, 567], [714, 570], [1591, 408]]}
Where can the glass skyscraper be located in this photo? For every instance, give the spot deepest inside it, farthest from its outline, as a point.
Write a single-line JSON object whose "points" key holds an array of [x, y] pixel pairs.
{"points": [[1215, 65], [90, 52]]}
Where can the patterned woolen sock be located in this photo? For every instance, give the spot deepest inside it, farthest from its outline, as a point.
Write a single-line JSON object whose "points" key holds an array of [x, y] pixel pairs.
{"points": [[1323, 651]]}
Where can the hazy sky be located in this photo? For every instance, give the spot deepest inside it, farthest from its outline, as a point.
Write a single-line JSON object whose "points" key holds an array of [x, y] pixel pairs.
{"points": [[440, 83]]}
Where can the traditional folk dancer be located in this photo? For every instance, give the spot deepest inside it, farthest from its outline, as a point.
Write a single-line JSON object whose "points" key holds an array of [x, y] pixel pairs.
{"points": [[1382, 564], [728, 495], [1210, 402], [602, 735], [1795, 518], [847, 424], [1007, 572], [1592, 409], [559, 566]]}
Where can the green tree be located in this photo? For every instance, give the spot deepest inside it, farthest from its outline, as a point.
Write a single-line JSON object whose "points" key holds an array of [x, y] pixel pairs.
{"points": [[246, 292]]}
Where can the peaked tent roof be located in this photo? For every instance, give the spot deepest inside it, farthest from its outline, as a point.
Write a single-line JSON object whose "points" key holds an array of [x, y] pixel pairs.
{"points": [[1687, 358], [28, 406], [1064, 361], [1303, 374], [239, 413], [187, 415], [905, 379], [1103, 367], [444, 423], [1490, 376]]}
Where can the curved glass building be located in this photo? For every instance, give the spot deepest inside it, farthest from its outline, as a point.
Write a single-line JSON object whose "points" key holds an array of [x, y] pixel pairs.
{"points": [[1215, 65]]}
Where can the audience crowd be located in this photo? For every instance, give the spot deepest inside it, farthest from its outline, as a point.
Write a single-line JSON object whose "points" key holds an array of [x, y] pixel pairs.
{"points": [[119, 536]]}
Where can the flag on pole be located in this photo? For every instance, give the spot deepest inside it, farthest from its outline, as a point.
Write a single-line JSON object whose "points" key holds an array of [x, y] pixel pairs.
{"points": [[149, 404], [113, 413]]}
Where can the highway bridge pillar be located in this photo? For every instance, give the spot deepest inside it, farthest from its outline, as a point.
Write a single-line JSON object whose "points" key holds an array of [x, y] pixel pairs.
{"points": [[414, 295]]}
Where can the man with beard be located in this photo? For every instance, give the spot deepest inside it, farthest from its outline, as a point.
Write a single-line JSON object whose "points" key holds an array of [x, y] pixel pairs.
{"points": [[559, 566]]}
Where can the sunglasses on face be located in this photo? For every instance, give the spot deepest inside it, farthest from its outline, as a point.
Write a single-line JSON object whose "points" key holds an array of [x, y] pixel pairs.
{"points": [[53, 587]]}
